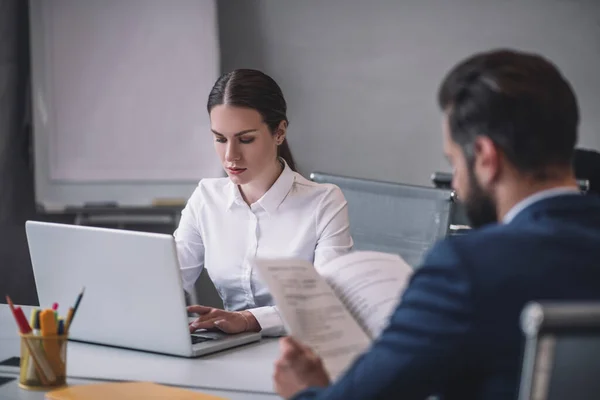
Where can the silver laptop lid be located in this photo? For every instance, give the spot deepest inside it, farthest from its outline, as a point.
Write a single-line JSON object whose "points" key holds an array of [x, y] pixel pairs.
{"points": [[133, 293]]}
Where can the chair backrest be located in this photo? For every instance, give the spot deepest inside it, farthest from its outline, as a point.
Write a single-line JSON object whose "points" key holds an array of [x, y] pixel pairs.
{"points": [[443, 180], [586, 163], [562, 351], [459, 221], [394, 218]]}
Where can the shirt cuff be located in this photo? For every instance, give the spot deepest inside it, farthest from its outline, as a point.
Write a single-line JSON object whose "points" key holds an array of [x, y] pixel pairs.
{"points": [[269, 320]]}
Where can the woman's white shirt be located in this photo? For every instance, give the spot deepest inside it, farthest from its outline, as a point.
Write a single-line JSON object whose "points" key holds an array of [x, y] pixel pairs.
{"points": [[295, 218]]}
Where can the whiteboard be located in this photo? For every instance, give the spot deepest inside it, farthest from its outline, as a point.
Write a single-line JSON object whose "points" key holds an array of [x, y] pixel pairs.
{"points": [[119, 91]]}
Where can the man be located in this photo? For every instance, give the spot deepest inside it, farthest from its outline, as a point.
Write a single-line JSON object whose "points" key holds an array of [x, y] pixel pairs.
{"points": [[510, 128]]}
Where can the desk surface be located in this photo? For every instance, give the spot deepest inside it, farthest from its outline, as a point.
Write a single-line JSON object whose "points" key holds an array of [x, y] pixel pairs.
{"points": [[246, 370]]}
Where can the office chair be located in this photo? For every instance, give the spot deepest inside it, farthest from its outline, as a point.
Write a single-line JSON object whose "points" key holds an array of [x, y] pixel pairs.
{"points": [[443, 180], [459, 222], [587, 168], [562, 351], [392, 217]]}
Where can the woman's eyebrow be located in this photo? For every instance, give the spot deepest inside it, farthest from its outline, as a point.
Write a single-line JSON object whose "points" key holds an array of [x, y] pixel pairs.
{"points": [[237, 134]]}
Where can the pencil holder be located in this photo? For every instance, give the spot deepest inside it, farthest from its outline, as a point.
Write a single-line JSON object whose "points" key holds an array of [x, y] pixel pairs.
{"points": [[43, 361]]}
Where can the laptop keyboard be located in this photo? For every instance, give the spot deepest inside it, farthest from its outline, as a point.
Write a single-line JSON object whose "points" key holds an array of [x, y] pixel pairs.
{"points": [[204, 336], [199, 339]]}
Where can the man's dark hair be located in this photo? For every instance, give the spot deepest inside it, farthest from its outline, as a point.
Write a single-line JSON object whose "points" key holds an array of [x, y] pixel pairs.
{"points": [[520, 101]]}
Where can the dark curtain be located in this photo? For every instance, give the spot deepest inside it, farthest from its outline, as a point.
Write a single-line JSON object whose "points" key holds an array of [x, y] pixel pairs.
{"points": [[17, 202]]}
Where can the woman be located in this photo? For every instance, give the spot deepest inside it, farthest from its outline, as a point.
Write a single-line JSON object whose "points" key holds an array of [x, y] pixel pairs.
{"points": [[263, 209]]}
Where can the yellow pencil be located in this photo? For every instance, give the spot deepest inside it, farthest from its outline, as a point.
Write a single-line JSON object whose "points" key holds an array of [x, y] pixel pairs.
{"points": [[68, 320]]}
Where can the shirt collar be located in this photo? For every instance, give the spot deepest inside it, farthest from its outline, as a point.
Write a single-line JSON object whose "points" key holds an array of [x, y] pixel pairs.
{"points": [[534, 198], [234, 196], [271, 200]]}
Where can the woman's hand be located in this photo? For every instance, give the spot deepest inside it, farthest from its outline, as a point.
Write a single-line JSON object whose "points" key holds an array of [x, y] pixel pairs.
{"points": [[226, 321]]}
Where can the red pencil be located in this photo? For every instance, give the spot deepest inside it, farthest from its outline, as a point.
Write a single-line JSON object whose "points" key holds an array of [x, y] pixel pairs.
{"points": [[44, 370], [19, 317]]}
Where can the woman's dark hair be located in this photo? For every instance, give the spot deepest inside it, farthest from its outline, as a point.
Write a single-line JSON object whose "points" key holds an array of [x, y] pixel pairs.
{"points": [[253, 89], [519, 100]]}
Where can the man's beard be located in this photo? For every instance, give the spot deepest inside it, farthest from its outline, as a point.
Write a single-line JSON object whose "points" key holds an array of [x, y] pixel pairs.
{"points": [[479, 205]]}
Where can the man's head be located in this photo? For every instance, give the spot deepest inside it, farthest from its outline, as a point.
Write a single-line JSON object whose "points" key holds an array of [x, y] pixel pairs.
{"points": [[510, 119]]}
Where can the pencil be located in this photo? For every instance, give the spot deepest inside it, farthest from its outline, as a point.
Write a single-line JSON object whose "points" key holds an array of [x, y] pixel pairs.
{"points": [[41, 364], [76, 306], [68, 320]]}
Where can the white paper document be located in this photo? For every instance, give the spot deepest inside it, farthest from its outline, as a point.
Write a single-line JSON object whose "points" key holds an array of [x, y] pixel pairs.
{"points": [[338, 310]]}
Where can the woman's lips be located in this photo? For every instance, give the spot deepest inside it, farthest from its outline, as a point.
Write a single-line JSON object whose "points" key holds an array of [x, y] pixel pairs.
{"points": [[235, 171]]}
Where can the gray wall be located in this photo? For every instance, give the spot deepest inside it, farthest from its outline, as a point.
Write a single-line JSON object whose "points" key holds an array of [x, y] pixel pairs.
{"points": [[360, 77]]}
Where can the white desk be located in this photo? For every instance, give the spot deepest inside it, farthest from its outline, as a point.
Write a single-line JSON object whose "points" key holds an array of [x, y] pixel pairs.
{"points": [[245, 372]]}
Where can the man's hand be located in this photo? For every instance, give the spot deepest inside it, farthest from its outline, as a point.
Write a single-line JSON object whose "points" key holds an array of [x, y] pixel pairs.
{"points": [[298, 368], [226, 321]]}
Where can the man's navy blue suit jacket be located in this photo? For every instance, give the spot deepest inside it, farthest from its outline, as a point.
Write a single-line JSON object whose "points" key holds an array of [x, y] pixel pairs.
{"points": [[456, 332]]}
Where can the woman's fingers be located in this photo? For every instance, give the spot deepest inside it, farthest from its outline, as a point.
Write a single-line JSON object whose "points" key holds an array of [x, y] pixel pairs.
{"points": [[206, 324], [201, 310]]}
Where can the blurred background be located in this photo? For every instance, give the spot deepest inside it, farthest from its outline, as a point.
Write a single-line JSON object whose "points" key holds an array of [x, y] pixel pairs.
{"points": [[103, 103]]}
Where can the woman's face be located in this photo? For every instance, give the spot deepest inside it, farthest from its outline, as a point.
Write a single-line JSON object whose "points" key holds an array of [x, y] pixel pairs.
{"points": [[244, 143]]}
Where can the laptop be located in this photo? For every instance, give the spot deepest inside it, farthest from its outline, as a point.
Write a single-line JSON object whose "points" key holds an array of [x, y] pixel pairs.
{"points": [[133, 297]]}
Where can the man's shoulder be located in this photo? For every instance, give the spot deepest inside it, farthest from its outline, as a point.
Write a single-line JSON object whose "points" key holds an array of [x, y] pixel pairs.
{"points": [[476, 241], [530, 247], [491, 248]]}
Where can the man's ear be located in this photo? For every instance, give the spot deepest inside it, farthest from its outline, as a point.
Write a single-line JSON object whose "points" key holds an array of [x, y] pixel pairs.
{"points": [[487, 160], [280, 132]]}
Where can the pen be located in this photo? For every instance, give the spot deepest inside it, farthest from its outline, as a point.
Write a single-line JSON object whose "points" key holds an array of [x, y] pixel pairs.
{"points": [[61, 326], [34, 321], [41, 364]]}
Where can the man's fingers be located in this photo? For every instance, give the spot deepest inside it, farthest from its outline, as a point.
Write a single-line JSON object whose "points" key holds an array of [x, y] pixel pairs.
{"points": [[281, 364], [298, 356], [292, 341], [301, 346], [289, 348], [199, 309], [292, 353]]}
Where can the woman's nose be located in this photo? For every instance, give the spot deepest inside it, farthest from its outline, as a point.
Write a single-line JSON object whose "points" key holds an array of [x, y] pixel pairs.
{"points": [[232, 153]]}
